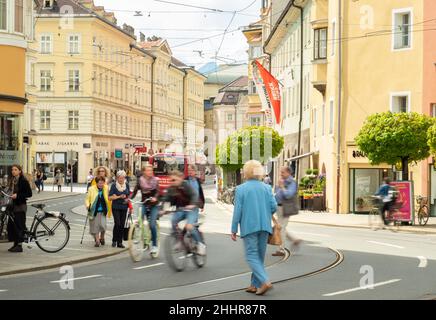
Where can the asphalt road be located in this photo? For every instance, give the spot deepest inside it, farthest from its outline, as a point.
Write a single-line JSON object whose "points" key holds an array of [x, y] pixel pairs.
{"points": [[333, 263]]}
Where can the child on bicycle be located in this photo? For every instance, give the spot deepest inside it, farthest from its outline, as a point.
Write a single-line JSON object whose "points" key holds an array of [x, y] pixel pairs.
{"points": [[183, 196]]}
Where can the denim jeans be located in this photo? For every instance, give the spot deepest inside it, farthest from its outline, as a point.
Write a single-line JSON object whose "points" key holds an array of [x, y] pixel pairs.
{"points": [[255, 248], [152, 220], [191, 218]]}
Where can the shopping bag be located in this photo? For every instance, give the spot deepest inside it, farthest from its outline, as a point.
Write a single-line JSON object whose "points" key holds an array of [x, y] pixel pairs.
{"points": [[275, 238]]}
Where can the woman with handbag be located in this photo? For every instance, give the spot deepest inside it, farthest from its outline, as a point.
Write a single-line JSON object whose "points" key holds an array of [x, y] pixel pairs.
{"points": [[119, 195], [254, 207], [21, 191]]}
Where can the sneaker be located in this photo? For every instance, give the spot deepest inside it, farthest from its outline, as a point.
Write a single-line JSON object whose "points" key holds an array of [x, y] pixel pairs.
{"points": [[120, 245], [154, 250], [201, 249], [102, 242], [11, 249], [16, 249], [114, 244]]}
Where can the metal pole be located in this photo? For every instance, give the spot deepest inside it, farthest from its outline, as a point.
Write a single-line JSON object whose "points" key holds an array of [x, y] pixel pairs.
{"points": [[338, 184], [71, 171]]}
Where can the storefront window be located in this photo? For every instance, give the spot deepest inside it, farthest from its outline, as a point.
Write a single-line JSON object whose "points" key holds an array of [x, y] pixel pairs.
{"points": [[9, 144], [44, 162], [364, 183]]}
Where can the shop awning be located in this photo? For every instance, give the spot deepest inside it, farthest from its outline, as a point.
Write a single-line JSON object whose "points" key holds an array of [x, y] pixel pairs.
{"points": [[306, 155]]}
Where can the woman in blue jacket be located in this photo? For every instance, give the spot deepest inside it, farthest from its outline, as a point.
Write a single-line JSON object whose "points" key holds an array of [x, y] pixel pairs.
{"points": [[254, 207]]}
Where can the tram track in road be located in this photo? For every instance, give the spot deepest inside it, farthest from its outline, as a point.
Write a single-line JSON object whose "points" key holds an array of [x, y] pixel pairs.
{"points": [[337, 262]]}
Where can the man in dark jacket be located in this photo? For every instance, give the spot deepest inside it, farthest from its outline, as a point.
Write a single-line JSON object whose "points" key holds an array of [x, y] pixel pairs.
{"points": [[195, 183], [185, 198]]}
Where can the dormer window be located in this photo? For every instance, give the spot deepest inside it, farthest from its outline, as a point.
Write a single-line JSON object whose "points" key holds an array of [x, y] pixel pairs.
{"points": [[48, 3]]}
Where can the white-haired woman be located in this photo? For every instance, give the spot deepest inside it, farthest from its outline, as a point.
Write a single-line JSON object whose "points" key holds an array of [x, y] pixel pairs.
{"points": [[119, 195], [254, 207]]}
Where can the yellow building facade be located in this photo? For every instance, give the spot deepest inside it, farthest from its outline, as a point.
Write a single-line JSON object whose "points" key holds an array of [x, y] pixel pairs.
{"points": [[361, 58], [93, 87]]}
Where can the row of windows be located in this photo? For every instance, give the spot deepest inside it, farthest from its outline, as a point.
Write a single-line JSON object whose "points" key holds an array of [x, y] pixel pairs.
{"points": [[106, 122], [45, 120], [290, 49], [291, 97], [46, 80], [195, 110], [14, 14], [323, 120], [116, 86], [195, 88]]}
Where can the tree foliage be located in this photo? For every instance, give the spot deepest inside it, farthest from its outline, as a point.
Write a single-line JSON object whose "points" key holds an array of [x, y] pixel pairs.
{"points": [[432, 138], [258, 143], [393, 137]]}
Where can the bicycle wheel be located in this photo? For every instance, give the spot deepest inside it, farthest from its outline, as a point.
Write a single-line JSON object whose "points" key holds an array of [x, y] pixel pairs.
{"points": [[3, 224], [199, 261], [136, 242], [175, 253], [52, 234], [423, 215], [374, 220]]}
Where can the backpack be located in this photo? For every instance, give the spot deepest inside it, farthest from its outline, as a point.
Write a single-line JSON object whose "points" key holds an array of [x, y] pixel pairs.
{"points": [[392, 194], [44, 177]]}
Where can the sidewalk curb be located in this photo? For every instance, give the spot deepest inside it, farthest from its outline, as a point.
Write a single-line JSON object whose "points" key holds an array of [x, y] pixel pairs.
{"points": [[422, 232], [60, 264], [54, 198], [359, 227]]}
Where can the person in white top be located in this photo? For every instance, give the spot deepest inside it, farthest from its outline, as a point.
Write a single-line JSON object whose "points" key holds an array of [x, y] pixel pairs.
{"points": [[89, 179]]}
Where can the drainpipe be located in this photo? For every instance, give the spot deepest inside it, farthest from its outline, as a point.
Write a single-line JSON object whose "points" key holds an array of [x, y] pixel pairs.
{"points": [[152, 102], [300, 123], [339, 109]]}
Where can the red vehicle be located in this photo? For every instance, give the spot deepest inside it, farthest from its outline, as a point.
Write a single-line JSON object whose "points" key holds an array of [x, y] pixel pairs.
{"points": [[164, 163]]}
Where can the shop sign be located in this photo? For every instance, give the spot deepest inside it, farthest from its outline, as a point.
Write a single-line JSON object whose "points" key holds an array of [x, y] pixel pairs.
{"points": [[358, 154], [404, 200], [8, 158], [141, 150], [102, 144], [118, 153]]}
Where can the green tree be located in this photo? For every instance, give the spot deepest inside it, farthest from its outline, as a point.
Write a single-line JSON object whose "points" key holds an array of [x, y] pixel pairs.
{"points": [[258, 143], [432, 137], [395, 137]]}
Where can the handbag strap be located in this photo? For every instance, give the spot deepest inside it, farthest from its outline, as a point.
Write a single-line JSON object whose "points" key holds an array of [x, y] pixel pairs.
{"points": [[275, 220]]}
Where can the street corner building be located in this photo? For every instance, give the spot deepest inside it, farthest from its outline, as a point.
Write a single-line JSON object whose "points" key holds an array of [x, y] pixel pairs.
{"points": [[337, 63], [16, 30]]}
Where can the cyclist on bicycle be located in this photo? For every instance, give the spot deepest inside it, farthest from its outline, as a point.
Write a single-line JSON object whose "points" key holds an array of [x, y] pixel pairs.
{"points": [[386, 194], [184, 197], [149, 187]]}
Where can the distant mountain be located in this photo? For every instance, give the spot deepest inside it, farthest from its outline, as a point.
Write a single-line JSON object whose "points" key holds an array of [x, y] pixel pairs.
{"points": [[208, 67]]}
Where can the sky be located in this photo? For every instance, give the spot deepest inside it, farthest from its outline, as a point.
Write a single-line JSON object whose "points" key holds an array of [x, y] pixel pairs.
{"points": [[180, 24]]}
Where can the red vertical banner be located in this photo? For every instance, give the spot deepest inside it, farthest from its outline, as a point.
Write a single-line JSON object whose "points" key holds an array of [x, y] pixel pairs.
{"points": [[404, 201], [272, 88]]}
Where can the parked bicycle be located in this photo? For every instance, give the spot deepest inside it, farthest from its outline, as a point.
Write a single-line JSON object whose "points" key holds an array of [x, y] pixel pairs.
{"points": [[229, 195], [392, 217], [49, 230], [422, 210], [179, 246], [140, 234]]}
